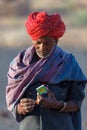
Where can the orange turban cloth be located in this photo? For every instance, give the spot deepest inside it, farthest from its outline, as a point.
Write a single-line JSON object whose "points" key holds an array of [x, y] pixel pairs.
{"points": [[41, 24]]}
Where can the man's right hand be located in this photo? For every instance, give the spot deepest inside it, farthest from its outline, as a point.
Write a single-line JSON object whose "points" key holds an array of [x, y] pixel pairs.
{"points": [[26, 105]]}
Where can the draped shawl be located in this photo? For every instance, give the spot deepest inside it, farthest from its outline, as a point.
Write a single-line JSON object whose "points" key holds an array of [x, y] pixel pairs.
{"points": [[59, 66]]}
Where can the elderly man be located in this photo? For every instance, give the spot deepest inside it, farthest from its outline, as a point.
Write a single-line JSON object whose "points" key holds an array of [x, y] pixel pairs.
{"points": [[44, 63]]}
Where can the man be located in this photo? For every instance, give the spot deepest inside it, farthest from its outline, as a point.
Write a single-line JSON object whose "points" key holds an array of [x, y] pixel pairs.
{"points": [[44, 63]]}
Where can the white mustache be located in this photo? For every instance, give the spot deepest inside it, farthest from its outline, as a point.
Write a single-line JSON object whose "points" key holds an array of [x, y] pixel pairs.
{"points": [[43, 54]]}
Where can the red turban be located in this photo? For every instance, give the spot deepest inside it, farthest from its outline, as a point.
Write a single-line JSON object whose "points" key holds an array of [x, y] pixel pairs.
{"points": [[41, 24]]}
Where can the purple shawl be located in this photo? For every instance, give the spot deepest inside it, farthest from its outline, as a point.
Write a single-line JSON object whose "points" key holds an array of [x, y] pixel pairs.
{"points": [[59, 66]]}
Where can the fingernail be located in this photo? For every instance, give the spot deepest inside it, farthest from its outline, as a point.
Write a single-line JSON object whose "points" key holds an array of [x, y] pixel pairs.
{"points": [[37, 93]]}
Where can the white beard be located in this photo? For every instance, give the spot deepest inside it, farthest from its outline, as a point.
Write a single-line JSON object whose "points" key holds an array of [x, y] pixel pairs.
{"points": [[41, 56]]}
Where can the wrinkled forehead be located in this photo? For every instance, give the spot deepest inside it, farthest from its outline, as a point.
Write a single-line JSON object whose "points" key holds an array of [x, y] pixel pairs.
{"points": [[45, 39]]}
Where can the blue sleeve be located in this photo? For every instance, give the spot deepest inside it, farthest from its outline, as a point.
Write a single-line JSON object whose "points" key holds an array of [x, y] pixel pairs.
{"points": [[76, 92]]}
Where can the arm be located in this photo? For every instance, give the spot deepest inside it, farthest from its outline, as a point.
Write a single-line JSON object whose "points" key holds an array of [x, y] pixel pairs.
{"points": [[76, 96], [74, 100]]}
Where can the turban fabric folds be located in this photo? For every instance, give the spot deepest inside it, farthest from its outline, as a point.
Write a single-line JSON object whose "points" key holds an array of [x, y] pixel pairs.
{"points": [[41, 24]]}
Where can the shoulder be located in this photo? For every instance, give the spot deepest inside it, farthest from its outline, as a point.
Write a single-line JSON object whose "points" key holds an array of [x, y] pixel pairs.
{"points": [[69, 60], [21, 57], [67, 55]]}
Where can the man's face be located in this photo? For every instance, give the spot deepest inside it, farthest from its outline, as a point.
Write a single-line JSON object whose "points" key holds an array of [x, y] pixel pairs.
{"points": [[44, 46]]}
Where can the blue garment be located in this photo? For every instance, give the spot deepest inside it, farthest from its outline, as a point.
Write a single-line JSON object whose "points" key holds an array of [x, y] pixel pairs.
{"points": [[45, 119], [64, 78], [57, 67]]}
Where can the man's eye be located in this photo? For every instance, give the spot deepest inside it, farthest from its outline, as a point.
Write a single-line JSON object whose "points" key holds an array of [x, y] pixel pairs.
{"points": [[38, 42]]}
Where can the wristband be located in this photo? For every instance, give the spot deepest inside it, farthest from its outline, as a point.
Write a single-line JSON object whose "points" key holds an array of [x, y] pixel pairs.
{"points": [[64, 106]]}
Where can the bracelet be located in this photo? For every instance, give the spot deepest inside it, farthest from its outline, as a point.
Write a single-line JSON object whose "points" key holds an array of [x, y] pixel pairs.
{"points": [[64, 106]]}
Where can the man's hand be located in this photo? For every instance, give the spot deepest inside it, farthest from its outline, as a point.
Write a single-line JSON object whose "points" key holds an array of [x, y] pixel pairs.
{"points": [[26, 105], [49, 102]]}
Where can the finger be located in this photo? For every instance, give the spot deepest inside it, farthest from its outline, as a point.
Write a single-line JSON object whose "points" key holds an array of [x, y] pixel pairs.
{"points": [[29, 108], [27, 105], [37, 101], [25, 100], [24, 109], [39, 96]]}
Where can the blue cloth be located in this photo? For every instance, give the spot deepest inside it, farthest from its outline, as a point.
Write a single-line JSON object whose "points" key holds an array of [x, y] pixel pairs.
{"points": [[59, 67], [52, 119]]}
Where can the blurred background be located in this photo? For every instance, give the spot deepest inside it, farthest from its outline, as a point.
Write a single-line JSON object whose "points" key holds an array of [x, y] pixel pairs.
{"points": [[13, 38]]}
